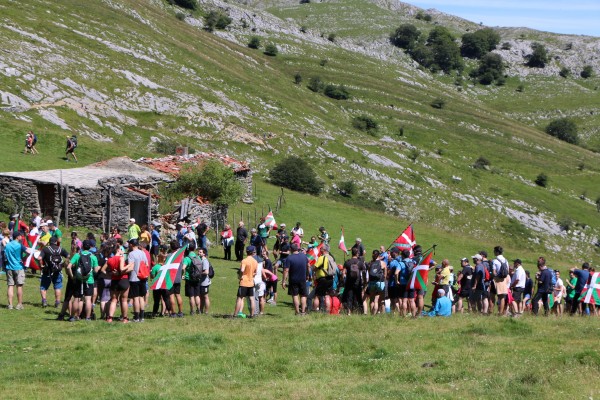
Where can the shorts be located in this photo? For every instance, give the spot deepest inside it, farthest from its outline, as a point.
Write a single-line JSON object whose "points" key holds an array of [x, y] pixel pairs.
{"points": [[259, 289], [298, 288], [351, 294], [55, 279], [502, 296], [375, 288], [464, 294], [192, 288], [394, 292], [15, 277], [492, 286], [137, 289], [104, 290], [245, 291], [120, 285], [175, 289], [272, 286], [154, 250], [81, 289], [517, 294], [203, 290], [323, 286], [477, 295], [407, 293]]}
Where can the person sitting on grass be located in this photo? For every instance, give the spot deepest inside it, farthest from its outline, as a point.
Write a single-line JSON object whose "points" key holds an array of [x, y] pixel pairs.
{"points": [[443, 305]]}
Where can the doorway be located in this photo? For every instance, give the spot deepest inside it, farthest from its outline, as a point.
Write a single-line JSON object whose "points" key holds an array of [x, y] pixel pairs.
{"points": [[138, 209], [46, 199]]}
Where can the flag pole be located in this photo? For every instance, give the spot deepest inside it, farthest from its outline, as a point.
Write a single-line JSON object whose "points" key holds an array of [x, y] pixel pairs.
{"points": [[391, 244]]}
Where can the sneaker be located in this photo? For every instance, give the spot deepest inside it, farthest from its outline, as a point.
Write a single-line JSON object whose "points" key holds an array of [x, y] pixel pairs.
{"points": [[72, 319], [93, 316], [10, 307], [173, 316], [135, 320], [270, 301], [44, 303], [19, 307], [241, 315], [180, 315], [88, 319], [61, 317], [56, 303]]}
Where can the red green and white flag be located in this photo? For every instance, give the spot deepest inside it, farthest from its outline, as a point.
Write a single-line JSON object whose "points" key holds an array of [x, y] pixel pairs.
{"points": [[406, 240], [342, 245], [168, 272], [551, 300], [420, 273], [33, 251], [591, 292], [313, 254], [270, 220]]}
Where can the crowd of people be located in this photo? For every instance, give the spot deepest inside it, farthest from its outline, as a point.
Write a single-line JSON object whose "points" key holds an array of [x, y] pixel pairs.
{"points": [[111, 273]]}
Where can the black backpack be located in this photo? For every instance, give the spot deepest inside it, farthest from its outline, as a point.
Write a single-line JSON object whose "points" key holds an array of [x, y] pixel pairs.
{"points": [[211, 271], [3, 261], [503, 270], [56, 261], [74, 141], [375, 271], [196, 271], [84, 266]]}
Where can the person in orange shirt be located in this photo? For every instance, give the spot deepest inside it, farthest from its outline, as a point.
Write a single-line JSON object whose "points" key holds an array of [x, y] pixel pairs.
{"points": [[246, 288]]}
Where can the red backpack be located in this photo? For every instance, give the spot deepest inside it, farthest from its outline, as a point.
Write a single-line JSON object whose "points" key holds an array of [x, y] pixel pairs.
{"points": [[143, 271]]}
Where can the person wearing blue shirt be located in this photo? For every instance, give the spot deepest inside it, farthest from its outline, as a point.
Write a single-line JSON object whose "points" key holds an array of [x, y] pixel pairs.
{"points": [[15, 271], [154, 242], [443, 306], [582, 275]]}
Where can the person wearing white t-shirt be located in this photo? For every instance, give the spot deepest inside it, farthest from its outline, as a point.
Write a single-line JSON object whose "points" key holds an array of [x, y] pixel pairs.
{"points": [[559, 293], [517, 285], [298, 230], [500, 283]]}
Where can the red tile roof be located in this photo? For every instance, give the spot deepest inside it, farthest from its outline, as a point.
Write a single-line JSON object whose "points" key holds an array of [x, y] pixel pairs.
{"points": [[172, 165]]}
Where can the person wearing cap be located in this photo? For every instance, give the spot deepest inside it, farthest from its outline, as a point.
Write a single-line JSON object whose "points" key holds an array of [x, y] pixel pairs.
{"points": [[361, 249], [443, 305], [71, 146], [241, 236], [246, 275], [202, 229], [517, 286], [544, 287], [465, 279], [490, 286], [500, 287], [137, 286], [133, 229], [479, 299], [52, 270], [84, 287], [45, 234], [54, 231], [15, 270], [296, 268]]}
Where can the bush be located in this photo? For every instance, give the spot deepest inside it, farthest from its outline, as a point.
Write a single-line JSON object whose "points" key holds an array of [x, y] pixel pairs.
{"points": [[506, 46], [254, 42], [598, 203], [337, 92], [315, 84], [323, 62], [211, 180], [296, 174], [180, 16], [564, 129], [482, 163], [565, 72], [331, 37], [587, 72], [405, 36], [541, 180], [444, 50], [521, 88], [298, 78], [365, 124], [216, 20], [566, 223], [438, 103], [271, 50], [539, 58], [491, 68], [189, 4], [413, 154], [347, 188], [423, 16], [166, 146], [479, 43]]}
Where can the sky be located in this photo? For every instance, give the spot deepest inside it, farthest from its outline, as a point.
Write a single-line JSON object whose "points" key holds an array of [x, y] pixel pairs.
{"points": [[581, 17]]}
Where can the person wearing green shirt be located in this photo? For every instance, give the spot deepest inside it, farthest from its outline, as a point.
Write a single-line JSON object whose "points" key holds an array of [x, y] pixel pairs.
{"points": [[571, 283], [83, 286], [192, 287], [54, 231], [133, 229], [160, 294]]}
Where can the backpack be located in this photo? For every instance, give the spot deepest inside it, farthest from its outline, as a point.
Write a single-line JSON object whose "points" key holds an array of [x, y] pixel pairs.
{"points": [[409, 266], [488, 270], [375, 271], [331, 266], [196, 271], [74, 141], [2, 255], [143, 270], [503, 270], [211, 271], [84, 268], [553, 283], [355, 271], [56, 261], [35, 139]]}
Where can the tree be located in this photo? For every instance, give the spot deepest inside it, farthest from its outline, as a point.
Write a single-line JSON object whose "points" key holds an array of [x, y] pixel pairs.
{"points": [[337, 92], [539, 57], [405, 36], [298, 78], [366, 124], [491, 68], [211, 180], [565, 72], [216, 20], [541, 180], [189, 4], [296, 174], [445, 51], [479, 43], [564, 129], [587, 72], [254, 42], [315, 84], [271, 50]]}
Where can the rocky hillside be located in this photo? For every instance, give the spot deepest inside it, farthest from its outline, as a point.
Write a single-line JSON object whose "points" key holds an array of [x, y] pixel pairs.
{"points": [[128, 73]]}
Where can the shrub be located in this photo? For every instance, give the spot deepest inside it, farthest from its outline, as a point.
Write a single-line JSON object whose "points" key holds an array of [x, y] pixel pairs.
{"points": [[365, 124], [298, 78], [296, 174], [564, 129], [323, 62], [405, 36], [479, 43], [271, 50], [315, 84], [541, 180], [444, 50], [565, 72], [331, 37], [438, 103], [539, 57], [216, 20], [491, 68], [581, 166], [506, 46], [7, 205], [254, 42], [189, 4], [211, 180], [566, 223], [423, 16], [336, 92], [587, 72], [413, 154], [598, 203], [347, 188], [482, 163], [166, 146], [520, 88]]}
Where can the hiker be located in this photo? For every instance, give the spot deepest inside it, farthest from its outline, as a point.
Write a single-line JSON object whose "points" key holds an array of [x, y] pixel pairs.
{"points": [[15, 270], [570, 291], [71, 146], [192, 285], [119, 286], [377, 273], [395, 288], [175, 291], [501, 283], [52, 258], [256, 240], [271, 279], [517, 286], [361, 249], [296, 269], [544, 281], [205, 282], [80, 272], [54, 231], [443, 305], [246, 275], [298, 230], [559, 293], [103, 276], [465, 277], [259, 285], [227, 241], [323, 235], [241, 236], [324, 280], [355, 280], [263, 230], [281, 232], [133, 229], [137, 284], [582, 275], [36, 219], [202, 229], [407, 295], [160, 296], [145, 237], [154, 242], [478, 299], [30, 142]]}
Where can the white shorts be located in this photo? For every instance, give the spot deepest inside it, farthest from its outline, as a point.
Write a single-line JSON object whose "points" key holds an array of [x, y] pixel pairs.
{"points": [[259, 289]]}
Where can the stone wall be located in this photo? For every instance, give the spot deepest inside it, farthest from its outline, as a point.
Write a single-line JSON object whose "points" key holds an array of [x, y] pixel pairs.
{"points": [[245, 177], [22, 192]]}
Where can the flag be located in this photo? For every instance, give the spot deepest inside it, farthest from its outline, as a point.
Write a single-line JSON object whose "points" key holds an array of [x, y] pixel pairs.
{"points": [[342, 245], [168, 272], [420, 273], [270, 220], [551, 300], [313, 254], [33, 247], [406, 240], [591, 292]]}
